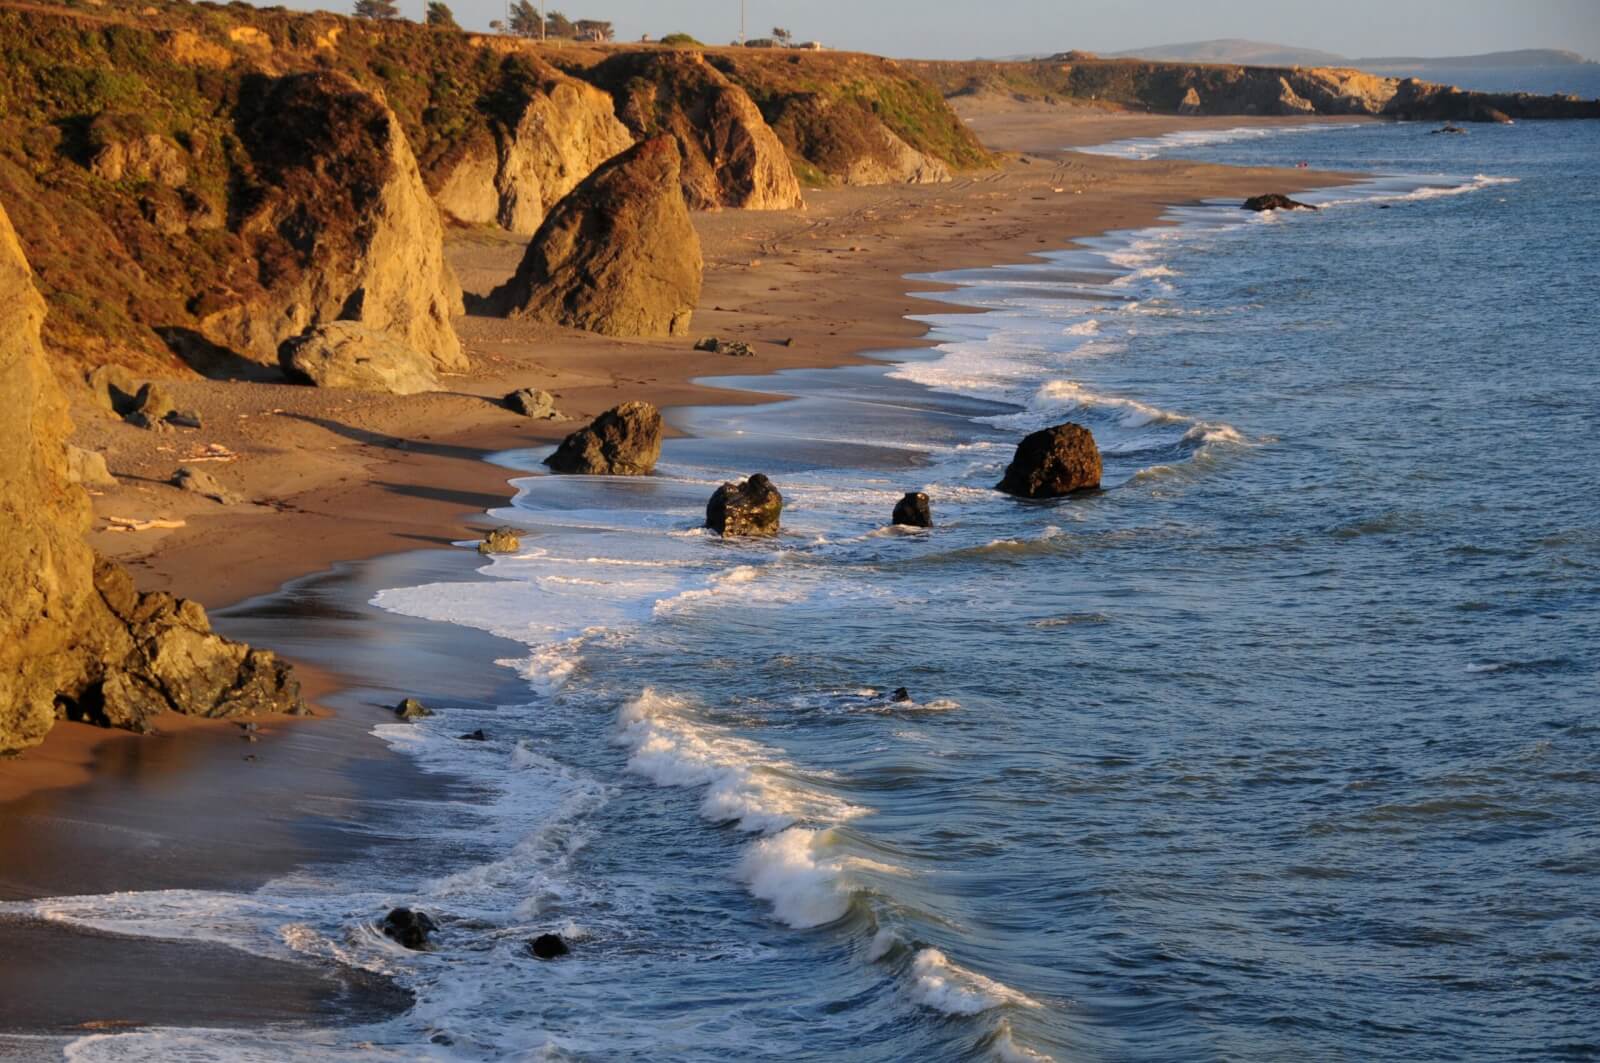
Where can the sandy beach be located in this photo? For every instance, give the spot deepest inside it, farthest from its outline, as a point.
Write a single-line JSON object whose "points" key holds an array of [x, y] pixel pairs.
{"points": [[334, 478]]}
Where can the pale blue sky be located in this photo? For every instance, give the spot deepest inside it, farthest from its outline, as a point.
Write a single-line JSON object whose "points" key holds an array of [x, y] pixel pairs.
{"points": [[945, 29]]}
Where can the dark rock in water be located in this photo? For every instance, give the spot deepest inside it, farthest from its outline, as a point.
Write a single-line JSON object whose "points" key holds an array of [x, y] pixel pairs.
{"points": [[409, 928], [1447, 129], [1275, 201], [913, 511], [412, 709], [500, 541], [534, 403], [625, 441], [900, 696], [1053, 462], [475, 736], [751, 508], [548, 946]]}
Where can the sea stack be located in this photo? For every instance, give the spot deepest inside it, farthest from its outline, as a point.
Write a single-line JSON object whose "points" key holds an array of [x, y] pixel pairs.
{"points": [[749, 509], [1053, 462]]}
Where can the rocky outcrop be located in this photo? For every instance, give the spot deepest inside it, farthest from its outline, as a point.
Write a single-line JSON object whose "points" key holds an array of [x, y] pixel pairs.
{"points": [[1190, 104], [894, 162], [729, 156], [1291, 102], [500, 541], [340, 223], [850, 144], [202, 483], [408, 928], [548, 947], [534, 404], [618, 256], [623, 441], [913, 511], [77, 640], [732, 348], [752, 509], [1053, 462], [1274, 201], [553, 131], [412, 709], [88, 468], [142, 158], [350, 356]]}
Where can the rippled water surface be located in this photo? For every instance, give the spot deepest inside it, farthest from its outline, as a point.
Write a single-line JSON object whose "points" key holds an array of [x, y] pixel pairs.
{"points": [[1284, 745]]}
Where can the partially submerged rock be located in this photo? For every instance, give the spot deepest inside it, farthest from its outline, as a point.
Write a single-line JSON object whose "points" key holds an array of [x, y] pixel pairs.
{"points": [[548, 947], [1053, 462], [618, 256], [500, 541], [1448, 129], [199, 482], [348, 355], [408, 927], [623, 441], [913, 511], [535, 404], [412, 709], [753, 508], [1274, 201]]}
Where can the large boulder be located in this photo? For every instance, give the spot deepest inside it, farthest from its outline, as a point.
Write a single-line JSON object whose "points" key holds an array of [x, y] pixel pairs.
{"points": [[346, 355], [730, 157], [339, 223], [618, 256], [623, 441], [1053, 462], [550, 132], [77, 640], [753, 508]]}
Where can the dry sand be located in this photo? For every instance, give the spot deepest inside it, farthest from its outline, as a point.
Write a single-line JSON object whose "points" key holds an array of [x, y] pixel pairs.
{"points": [[339, 476]]}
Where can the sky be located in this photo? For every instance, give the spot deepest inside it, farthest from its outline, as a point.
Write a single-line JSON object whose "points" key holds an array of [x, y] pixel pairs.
{"points": [[939, 29]]}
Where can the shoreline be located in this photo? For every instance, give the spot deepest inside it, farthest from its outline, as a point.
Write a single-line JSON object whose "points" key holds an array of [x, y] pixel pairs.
{"points": [[441, 495]]}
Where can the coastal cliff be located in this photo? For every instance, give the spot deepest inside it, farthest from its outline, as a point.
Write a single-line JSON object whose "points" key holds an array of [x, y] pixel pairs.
{"points": [[1227, 89], [77, 640]]}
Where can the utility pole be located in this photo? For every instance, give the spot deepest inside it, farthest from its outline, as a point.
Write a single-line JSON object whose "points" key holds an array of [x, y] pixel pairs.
{"points": [[741, 23], [544, 24]]}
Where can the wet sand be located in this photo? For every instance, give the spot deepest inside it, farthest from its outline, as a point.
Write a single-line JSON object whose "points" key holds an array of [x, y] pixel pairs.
{"points": [[338, 478]]}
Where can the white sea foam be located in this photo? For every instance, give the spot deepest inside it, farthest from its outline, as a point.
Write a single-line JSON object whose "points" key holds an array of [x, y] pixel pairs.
{"points": [[1083, 328], [798, 872], [937, 983]]}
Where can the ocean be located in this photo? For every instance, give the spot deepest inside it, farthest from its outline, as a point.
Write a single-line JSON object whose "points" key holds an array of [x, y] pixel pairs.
{"points": [[1284, 744]]}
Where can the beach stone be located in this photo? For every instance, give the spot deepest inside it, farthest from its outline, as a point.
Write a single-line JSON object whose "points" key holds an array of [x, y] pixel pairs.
{"points": [[412, 709], [1053, 462], [500, 541], [618, 256], [200, 482], [734, 348], [348, 355], [151, 406], [114, 388], [913, 511], [184, 418], [623, 441], [408, 927], [1274, 201], [548, 946], [88, 467], [534, 403], [752, 508]]}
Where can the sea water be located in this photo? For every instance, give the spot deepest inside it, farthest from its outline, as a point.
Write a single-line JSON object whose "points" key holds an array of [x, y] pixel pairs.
{"points": [[1286, 744]]}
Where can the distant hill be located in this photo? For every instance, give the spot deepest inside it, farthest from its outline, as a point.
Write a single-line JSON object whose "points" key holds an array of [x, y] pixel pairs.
{"points": [[1261, 53]]}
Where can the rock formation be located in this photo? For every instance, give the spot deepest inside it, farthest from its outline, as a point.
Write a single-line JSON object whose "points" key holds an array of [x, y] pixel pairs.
{"points": [[88, 467], [624, 441], [534, 403], [913, 511], [1190, 104], [1274, 201], [339, 222], [347, 355], [500, 541], [753, 508], [408, 928], [412, 709], [554, 131], [729, 156], [732, 348], [618, 256], [1053, 462], [548, 947], [199, 482], [849, 143], [76, 639]]}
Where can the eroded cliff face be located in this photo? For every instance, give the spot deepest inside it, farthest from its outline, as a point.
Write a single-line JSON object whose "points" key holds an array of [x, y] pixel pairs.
{"points": [[729, 157], [340, 223], [76, 639], [45, 567], [552, 131]]}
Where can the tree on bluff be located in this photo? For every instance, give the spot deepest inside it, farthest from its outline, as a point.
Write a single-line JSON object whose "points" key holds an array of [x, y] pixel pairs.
{"points": [[441, 17], [377, 9]]}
